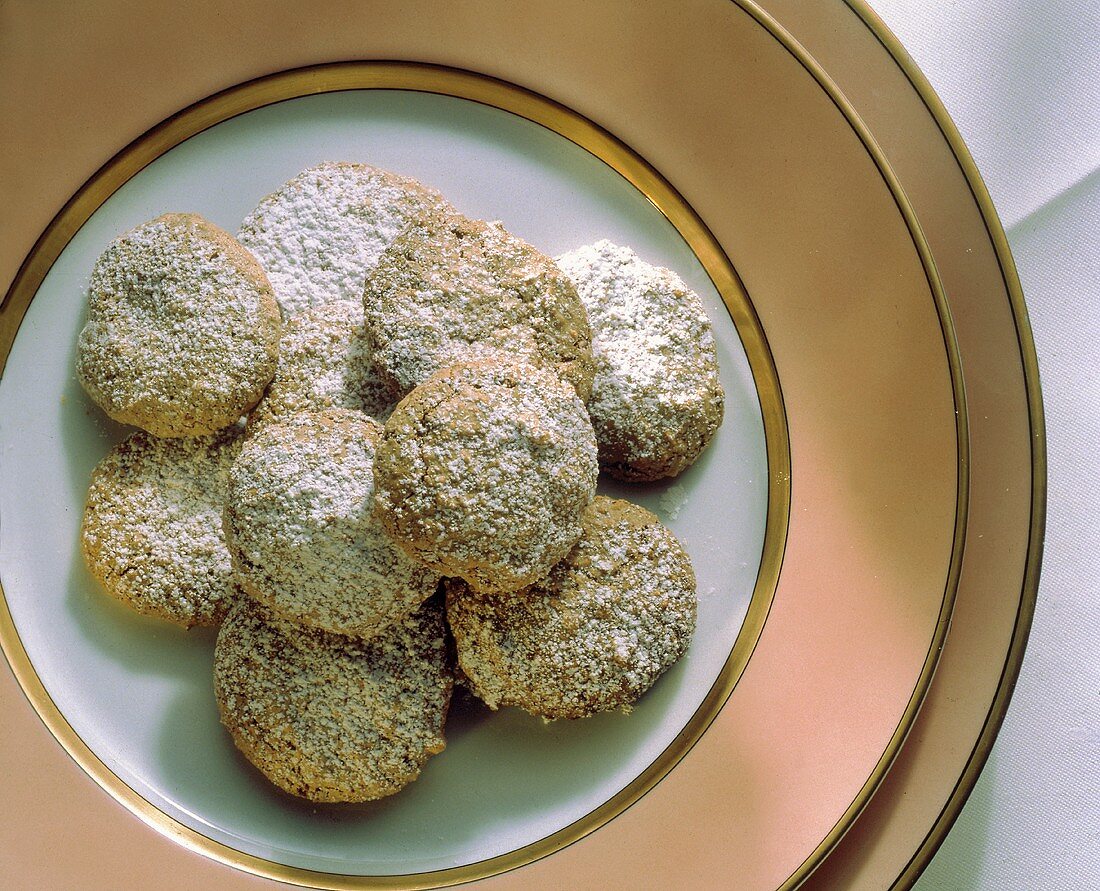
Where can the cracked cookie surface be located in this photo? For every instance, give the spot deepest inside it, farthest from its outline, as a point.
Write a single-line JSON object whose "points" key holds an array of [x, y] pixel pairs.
{"points": [[183, 329], [451, 288], [152, 531], [484, 471], [594, 635], [301, 532], [333, 718]]}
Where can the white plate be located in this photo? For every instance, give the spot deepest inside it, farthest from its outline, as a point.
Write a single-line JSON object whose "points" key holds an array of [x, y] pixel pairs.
{"points": [[138, 692]]}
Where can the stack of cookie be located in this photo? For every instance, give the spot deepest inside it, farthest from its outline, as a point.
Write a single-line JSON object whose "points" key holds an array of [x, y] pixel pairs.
{"points": [[411, 445]]}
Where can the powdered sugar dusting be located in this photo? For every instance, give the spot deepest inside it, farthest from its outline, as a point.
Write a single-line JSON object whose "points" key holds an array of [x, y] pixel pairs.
{"points": [[152, 531], [182, 331], [332, 718], [325, 362], [656, 398], [595, 634], [300, 528], [319, 235], [451, 288], [672, 500], [484, 472]]}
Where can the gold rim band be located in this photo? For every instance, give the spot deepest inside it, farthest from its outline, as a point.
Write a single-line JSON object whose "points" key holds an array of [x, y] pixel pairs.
{"points": [[584, 133], [951, 347], [1032, 563]]}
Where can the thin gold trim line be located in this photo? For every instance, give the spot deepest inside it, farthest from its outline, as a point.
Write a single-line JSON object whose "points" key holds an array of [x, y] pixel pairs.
{"points": [[1029, 591], [589, 136], [963, 480]]}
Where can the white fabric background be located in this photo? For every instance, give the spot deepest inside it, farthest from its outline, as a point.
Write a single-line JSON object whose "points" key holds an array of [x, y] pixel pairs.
{"points": [[1022, 81]]}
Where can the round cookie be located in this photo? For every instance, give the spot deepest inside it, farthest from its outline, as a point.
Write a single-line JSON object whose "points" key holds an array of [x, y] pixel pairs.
{"points": [[300, 529], [324, 362], [484, 471], [656, 398], [591, 637], [333, 718], [152, 531], [449, 288], [183, 328], [319, 234]]}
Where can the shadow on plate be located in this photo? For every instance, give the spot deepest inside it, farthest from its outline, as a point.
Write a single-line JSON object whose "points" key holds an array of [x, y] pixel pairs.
{"points": [[506, 779], [144, 645]]}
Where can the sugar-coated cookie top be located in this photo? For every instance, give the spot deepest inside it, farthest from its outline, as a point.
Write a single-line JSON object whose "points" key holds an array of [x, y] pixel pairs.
{"points": [[449, 288], [332, 718], [484, 471], [595, 634], [152, 527], [183, 329], [319, 234], [325, 362], [301, 532], [656, 398]]}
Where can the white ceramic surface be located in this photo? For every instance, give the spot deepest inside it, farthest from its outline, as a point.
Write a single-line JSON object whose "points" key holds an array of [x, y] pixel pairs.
{"points": [[139, 691]]}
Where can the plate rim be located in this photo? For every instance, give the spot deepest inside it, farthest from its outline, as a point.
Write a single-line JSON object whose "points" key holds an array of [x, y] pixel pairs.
{"points": [[849, 113], [870, 143], [473, 86], [1029, 590]]}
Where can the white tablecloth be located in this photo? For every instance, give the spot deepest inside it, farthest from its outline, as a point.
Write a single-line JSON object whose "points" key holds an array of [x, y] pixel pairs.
{"points": [[1022, 82]]}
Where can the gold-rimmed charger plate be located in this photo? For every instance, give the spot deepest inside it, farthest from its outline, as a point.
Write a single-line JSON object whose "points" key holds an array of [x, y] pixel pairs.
{"points": [[916, 806], [868, 600]]}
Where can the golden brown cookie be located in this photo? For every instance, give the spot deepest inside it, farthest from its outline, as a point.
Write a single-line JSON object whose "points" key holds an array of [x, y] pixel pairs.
{"points": [[319, 234], [300, 529], [152, 530], [333, 718], [484, 471], [595, 634], [656, 398], [449, 288], [183, 328], [324, 362]]}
